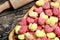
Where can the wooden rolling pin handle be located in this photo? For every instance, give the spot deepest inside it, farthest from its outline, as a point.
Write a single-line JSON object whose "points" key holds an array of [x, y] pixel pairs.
{"points": [[4, 6]]}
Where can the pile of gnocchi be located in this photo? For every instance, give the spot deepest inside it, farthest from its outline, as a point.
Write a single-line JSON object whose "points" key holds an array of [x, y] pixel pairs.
{"points": [[43, 23]]}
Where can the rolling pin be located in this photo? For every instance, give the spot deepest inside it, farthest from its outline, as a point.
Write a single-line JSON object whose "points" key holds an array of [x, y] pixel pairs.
{"points": [[14, 3]]}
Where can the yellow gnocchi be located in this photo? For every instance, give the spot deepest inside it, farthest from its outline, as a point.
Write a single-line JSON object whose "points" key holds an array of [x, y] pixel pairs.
{"points": [[17, 28], [33, 26], [21, 37], [42, 15], [33, 14], [40, 3], [56, 38], [40, 33], [51, 35], [55, 4]]}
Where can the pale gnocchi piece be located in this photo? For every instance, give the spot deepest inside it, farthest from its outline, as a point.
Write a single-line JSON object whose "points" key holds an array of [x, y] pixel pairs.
{"points": [[40, 3], [29, 36], [54, 18], [33, 26], [40, 33], [17, 28], [56, 38], [42, 15], [21, 37], [52, 21], [33, 14], [51, 35], [55, 4]]}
